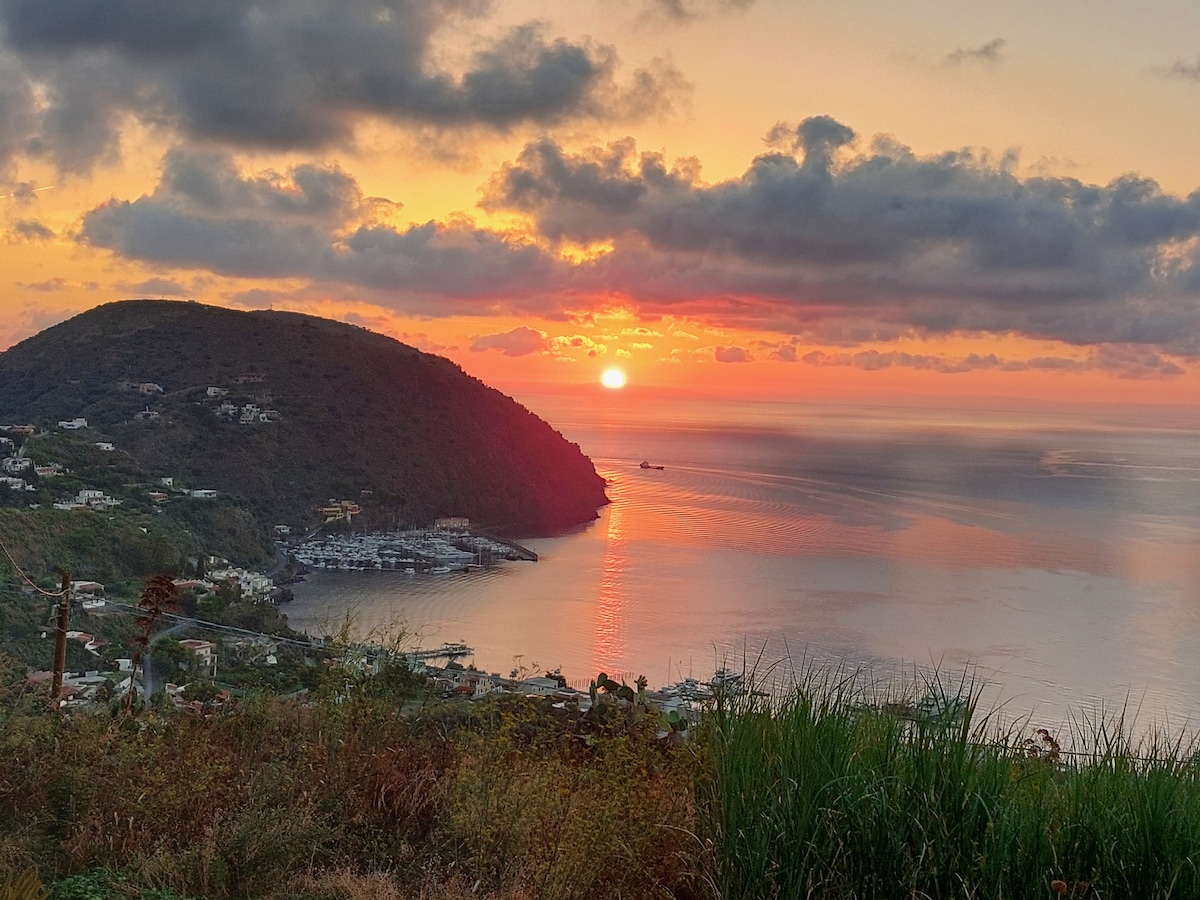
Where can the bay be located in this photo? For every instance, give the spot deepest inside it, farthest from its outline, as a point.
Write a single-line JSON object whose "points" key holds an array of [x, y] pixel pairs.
{"points": [[1054, 555]]}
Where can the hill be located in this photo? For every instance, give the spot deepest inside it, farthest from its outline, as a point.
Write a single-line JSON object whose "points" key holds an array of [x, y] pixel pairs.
{"points": [[282, 411]]}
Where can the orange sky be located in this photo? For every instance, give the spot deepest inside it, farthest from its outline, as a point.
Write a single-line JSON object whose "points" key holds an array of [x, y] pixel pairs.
{"points": [[850, 200]]}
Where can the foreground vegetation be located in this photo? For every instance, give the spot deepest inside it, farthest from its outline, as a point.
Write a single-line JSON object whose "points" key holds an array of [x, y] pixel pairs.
{"points": [[370, 789], [817, 794]]}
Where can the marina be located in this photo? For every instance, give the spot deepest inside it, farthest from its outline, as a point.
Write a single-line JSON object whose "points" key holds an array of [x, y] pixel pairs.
{"points": [[423, 551]]}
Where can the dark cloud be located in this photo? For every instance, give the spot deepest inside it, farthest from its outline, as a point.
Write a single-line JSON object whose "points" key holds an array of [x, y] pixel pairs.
{"points": [[18, 113], [882, 242], [984, 53], [313, 223], [521, 341], [286, 74], [30, 230]]}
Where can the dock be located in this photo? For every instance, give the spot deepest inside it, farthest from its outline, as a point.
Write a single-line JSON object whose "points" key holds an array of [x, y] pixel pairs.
{"points": [[521, 552], [446, 651]]}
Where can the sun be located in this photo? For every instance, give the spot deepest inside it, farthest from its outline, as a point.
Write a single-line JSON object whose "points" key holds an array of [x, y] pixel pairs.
{"points": [[613, 378]]}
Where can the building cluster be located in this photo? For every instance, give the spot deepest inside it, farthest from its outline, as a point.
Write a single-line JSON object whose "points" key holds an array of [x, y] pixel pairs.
{"points": [[88, 498], [255, 412]]}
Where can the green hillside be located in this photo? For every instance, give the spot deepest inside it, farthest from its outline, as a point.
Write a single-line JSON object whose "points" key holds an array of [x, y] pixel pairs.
{"points": [[336, 412]]}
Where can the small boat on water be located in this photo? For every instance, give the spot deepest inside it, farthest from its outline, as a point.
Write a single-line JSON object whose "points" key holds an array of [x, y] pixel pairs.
{"points": [[646, 465]]}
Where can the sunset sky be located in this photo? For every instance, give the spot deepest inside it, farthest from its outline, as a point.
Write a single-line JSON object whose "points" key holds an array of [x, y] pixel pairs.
{"points": [[760, 198]]}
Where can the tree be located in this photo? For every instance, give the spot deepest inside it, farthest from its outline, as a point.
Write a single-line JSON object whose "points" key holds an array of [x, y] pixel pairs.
{"points": [[158, 597]]}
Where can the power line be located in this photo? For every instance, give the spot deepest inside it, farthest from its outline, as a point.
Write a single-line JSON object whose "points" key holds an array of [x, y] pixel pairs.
{"points": [[216, 626], [29, 580]]}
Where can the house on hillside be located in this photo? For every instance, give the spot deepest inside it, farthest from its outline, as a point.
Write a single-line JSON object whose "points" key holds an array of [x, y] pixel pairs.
{"points": [[206, 653], [88, 498], [148, 388], [73, 424], [253, 585], [81, 590], [106, 446]]}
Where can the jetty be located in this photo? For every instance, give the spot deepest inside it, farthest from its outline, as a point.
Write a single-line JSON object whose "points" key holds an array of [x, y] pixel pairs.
{"points": [[446, 651], [523, 553]]}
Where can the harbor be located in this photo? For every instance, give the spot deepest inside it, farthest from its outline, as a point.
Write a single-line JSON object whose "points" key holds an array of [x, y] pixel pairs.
{"points": [[435, 551]]}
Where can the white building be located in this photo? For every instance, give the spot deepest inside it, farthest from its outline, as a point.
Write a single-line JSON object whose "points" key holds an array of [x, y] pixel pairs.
{"points": [[73, 424]]}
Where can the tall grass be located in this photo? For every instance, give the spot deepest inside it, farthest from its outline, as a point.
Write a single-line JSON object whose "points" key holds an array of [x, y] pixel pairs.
{"points": [[829, 790]]}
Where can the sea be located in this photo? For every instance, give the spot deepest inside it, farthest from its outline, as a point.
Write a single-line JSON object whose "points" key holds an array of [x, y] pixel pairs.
{"points": [[1047, 560]]}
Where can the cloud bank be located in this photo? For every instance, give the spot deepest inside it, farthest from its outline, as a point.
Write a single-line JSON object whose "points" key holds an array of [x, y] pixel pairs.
{"points": [[817, 239], [286, 74], [854, 247], [314, 223]]}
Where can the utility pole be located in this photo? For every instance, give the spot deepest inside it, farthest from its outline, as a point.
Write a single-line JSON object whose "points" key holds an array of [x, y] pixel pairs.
{"points": [[60, 639]]}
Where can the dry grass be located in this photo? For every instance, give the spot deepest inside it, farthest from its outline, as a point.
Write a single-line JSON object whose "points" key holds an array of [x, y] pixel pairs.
{"points": [[271, 799]]}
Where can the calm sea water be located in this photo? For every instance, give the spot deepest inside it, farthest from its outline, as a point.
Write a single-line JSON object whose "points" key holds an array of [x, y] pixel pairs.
{"points": [[1056, 557]]}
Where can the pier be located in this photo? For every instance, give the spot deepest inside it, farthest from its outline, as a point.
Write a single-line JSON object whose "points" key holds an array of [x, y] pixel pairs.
{"points": [[446, 651], [523, 553]]}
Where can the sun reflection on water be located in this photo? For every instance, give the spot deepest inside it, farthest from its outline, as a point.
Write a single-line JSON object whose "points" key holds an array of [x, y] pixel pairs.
{"points": [[611, 600]]}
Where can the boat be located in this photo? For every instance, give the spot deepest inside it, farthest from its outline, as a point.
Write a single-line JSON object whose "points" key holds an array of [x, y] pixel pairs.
{"points": [[646, 465], [727, 681]]}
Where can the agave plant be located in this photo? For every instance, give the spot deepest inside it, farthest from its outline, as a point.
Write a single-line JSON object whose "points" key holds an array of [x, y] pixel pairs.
{"points": [[25, 886]]}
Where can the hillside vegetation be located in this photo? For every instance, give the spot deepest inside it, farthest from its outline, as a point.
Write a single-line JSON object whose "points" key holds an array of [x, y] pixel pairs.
{"points": [[340, 412], [370, 788]]}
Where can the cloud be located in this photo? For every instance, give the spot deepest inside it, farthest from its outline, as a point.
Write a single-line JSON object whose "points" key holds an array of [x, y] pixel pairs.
{"points": [[571, 345], [18, 112], [521, 341], [730, 355], [988, 53], [58, 284], [690, 10], [156, 287], [287, 74], [30, 230], [871, 245], [1189, 71], [1125, 361], [313, 223]]}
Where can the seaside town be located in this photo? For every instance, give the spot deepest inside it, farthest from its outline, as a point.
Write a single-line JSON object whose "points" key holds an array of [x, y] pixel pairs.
{"points": [[197, 664]]}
